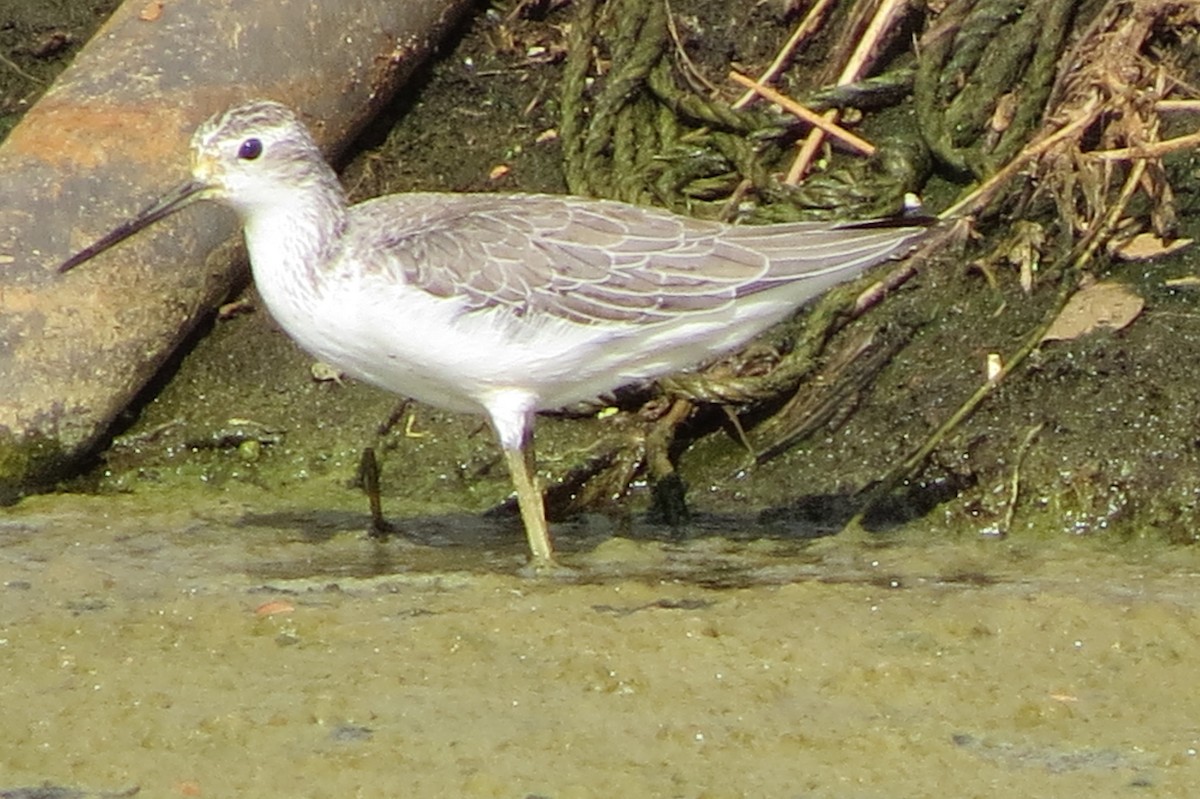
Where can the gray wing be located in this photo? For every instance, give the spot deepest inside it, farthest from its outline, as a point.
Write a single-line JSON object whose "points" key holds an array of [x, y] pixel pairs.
{"points": [[592, 260]]}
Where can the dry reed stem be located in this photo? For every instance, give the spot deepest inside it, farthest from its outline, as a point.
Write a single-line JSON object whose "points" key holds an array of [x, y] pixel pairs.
{"points": [[855, 143], [808, 26], [885, 17]]}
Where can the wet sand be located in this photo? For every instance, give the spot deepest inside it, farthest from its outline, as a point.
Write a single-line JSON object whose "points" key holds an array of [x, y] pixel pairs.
{"points": [[233, 648]]}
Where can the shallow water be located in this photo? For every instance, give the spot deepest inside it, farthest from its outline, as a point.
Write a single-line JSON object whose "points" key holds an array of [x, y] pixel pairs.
{"points": [[231, 648]]}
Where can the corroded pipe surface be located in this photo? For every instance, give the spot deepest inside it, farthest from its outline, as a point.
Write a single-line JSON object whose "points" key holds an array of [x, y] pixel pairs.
{"points": [[111, 135]]}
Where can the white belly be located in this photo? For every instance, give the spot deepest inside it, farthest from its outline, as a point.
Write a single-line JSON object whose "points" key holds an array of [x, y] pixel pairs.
{"points": [[425, 348]]}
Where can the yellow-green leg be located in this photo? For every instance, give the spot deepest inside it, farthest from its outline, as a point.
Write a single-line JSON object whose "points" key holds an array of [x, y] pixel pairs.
{"points": [[529, 499]]}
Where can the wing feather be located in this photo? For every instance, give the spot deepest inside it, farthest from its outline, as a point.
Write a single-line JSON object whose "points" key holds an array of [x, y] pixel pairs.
{"points": [[597, 261]]}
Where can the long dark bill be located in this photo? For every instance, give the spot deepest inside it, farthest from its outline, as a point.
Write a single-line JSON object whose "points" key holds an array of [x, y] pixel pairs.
{"points": [[179, 197]]}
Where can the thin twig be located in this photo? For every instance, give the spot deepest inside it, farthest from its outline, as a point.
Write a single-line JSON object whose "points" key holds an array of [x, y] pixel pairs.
{"points": [[682, 54], [809, 25], [1155, 150], [1178, 105], [889, 11], [855, 143], [863, 55], [1014, 489], [977, 199], [17, 69]]}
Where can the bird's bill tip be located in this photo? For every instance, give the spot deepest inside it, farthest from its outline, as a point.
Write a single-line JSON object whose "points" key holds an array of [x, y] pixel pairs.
{"points": [[177, 198]]}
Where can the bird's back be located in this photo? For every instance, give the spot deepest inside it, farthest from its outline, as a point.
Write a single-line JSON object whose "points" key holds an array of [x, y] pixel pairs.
{"points": [[567, 298], [605, 262]]}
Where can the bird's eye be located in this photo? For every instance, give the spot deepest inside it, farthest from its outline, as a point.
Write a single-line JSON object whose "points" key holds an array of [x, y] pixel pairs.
{"points": [[250, 149]]}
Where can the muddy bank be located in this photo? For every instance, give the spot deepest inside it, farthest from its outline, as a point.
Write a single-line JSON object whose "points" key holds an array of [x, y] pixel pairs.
{"points": [[207, 652]]}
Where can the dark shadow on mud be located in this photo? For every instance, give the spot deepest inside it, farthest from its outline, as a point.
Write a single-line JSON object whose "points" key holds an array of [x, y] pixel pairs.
{"points": [[708, 548]]}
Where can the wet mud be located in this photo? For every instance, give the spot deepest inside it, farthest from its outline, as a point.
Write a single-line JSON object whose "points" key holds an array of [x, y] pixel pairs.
{"points": [[226, 649]]}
